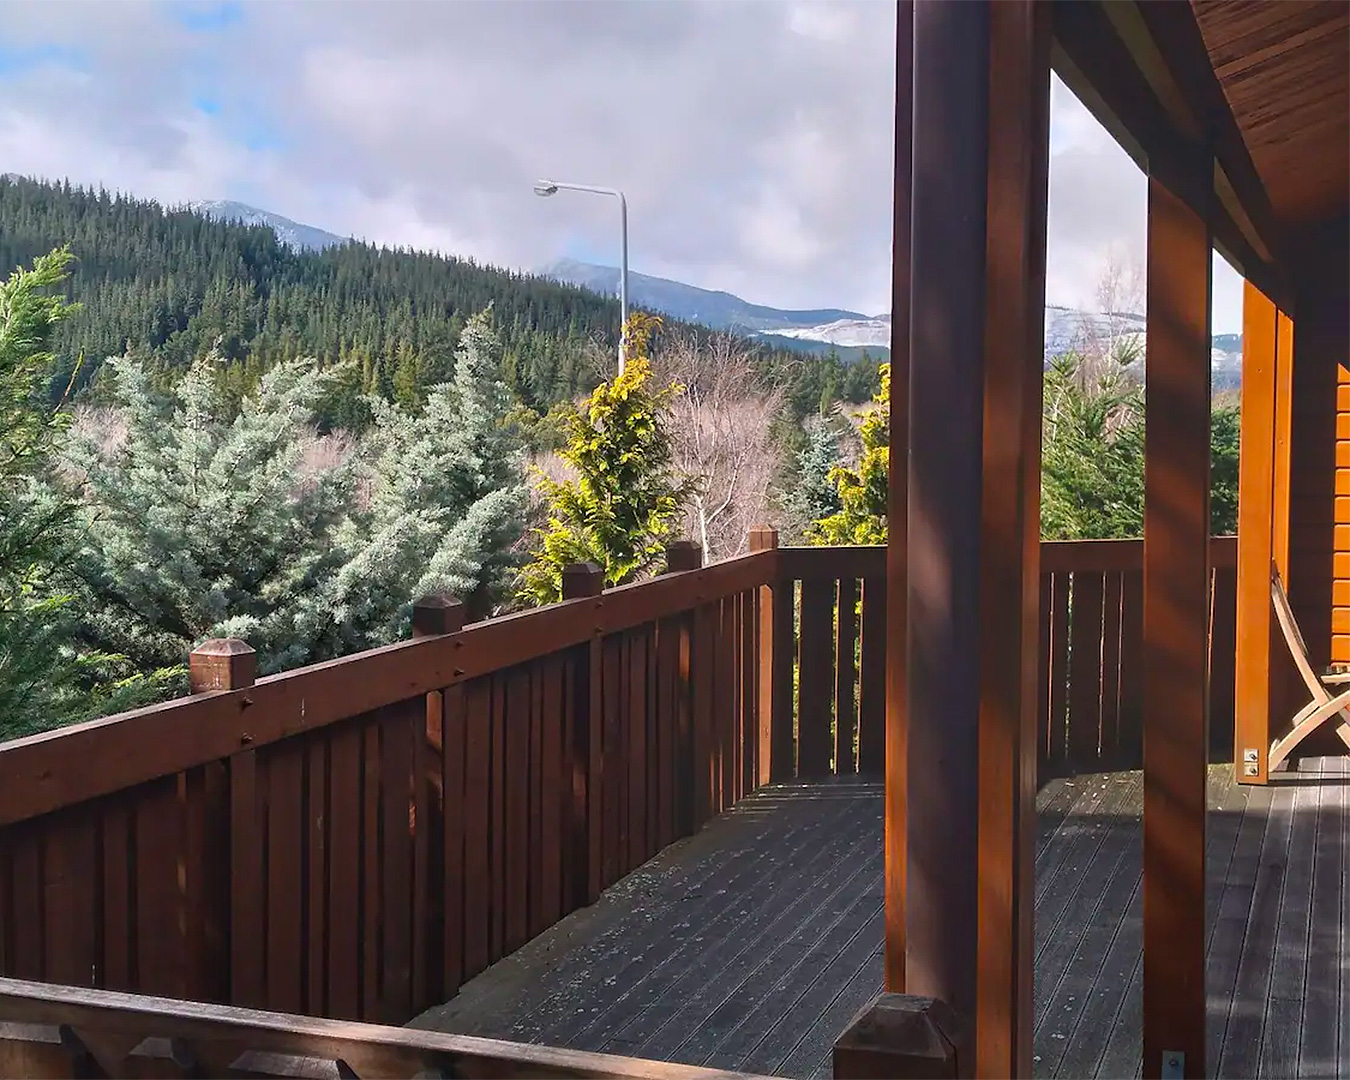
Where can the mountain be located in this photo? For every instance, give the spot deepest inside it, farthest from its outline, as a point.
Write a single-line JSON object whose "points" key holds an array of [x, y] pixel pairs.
{"points": [[1066, 329], [172, 286], [713, 309], [294, 235]]}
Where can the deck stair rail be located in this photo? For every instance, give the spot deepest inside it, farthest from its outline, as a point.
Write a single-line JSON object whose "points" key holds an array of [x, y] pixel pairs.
{"points": [[357, 838]]}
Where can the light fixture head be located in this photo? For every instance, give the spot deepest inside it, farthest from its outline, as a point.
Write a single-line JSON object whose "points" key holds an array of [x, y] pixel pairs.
{"points": [[544, 189]]}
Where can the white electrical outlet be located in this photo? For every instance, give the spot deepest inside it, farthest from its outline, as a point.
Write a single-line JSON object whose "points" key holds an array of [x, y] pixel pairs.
{"points": [[1249, 756]]}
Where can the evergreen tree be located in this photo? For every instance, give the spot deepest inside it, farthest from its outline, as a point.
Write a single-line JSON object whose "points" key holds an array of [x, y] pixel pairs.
{"points": [[808, 494], [171, 284], [446, 503], [44, 681], [619, 510], [1092, 450], [1225, 422], [203, 523], [864, 489]]}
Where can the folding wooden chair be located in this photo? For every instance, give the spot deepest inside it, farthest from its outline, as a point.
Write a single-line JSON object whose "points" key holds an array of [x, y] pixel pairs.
{"points": [[1330, 691]]}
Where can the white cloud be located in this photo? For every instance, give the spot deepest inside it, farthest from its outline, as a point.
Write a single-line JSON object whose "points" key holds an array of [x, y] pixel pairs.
{"points": [[754, 139]]}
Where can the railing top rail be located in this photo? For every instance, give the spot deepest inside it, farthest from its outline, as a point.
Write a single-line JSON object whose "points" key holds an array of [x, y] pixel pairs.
{"points": [[112, 1025], [1108, 555], [59, 768], [807, 563]]}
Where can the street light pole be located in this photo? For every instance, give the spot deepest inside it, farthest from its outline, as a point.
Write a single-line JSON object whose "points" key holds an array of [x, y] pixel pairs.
{"points": [[545, 188]]}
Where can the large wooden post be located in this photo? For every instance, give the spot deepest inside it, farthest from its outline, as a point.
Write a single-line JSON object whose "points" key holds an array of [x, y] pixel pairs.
{"points": [[1176, 630], [1009, 611], [897, 585], [1256, 520], [965, 535]]}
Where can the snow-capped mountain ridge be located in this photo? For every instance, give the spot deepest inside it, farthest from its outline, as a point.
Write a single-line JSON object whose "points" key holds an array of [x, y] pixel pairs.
{"points": [[293, 234]]}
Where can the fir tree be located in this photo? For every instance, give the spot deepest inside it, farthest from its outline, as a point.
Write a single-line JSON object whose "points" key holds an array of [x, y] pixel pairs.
{"points": [[171, 283], [808, 494], [446, 504], [1092, 450], [44, 680], [203, 523], [864, 489], [619, 510]]}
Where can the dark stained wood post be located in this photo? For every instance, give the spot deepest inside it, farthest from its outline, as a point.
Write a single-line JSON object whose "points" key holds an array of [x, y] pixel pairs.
{"points": [[683, 555], [775, 669], [581, 581], [896, 742], [221, 664], [1176, 627], [1010, 595], [1256, 489], [439, 614], [437, 768], [961, 750], [230, 664]]}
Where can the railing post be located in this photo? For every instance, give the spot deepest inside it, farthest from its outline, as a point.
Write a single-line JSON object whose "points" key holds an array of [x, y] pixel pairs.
{"points": [[221, 664], [230, 664], [579, 581], [438, 614], [434, 768], [217, 664], [682, 556], [775, 755]]}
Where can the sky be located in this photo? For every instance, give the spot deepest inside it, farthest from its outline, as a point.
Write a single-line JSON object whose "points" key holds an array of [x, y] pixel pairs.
{"points": [[753, 139]]}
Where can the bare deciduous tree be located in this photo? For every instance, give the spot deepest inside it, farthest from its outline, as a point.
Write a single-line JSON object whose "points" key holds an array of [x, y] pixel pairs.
{"points": [[721, 423]]}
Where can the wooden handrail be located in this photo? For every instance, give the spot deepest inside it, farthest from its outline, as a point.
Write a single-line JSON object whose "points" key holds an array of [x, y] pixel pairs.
{"points": [[493, 777], [1107, 556], [48, 1030], [116, 752]]}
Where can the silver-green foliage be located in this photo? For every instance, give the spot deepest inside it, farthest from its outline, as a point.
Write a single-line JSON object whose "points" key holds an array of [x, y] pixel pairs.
{"points": [[200, 524], [211, 521], [445, 499], [46, 679]]}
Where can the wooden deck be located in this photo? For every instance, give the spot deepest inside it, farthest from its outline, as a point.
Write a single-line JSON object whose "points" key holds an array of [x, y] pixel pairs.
{"points": [[750, 945]]}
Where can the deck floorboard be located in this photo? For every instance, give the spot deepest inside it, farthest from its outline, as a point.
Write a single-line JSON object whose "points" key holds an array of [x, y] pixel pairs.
{"points": [[751, 945]]}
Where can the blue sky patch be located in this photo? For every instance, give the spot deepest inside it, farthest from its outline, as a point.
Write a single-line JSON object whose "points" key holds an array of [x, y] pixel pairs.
{"points": [[209, 18], [16, 59]]}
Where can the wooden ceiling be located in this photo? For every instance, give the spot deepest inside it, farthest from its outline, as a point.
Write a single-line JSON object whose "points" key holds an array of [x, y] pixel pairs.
{"points": [[1284, 66]]}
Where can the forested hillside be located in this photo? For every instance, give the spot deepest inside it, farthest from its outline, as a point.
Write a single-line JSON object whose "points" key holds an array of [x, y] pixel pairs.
{"points": [[168, 285]]}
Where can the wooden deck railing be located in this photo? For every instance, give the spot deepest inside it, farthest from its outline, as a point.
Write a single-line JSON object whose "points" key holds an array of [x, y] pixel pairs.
{"points": [[1089, 673], [63, 1031], [357, 838]]}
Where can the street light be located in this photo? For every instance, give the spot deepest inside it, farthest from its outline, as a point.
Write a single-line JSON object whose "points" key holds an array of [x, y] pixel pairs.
{"points": [[545, 188]]}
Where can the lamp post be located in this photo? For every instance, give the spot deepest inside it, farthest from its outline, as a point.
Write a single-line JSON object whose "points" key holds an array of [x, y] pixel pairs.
{"points": [[545, 188]]}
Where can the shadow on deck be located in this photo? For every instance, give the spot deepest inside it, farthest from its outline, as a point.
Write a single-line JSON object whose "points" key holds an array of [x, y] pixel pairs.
{"points": [[751, 945]]}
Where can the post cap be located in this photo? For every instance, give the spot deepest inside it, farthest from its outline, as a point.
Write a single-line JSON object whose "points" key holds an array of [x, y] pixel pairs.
{"points": [[582, 579], [437, 614], [683, 555], [221, 664], [904, 1037], [763, 538]]}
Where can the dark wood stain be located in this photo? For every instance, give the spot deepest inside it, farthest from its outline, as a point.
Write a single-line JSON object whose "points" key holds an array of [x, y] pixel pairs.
{"points": [[751, 945]]}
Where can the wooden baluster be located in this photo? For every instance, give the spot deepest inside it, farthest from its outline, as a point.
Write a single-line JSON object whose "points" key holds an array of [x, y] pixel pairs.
{"points": [[776, 756], [582, 581]]}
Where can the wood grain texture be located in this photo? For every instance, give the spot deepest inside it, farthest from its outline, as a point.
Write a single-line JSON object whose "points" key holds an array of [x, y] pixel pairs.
{"points": [[1256, 513], [815, 679], [1176, 618]]}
